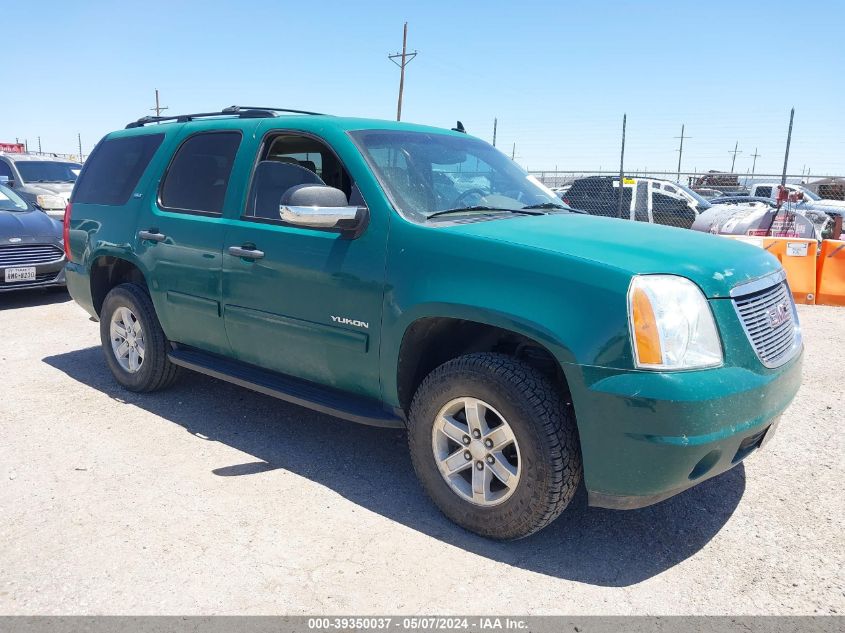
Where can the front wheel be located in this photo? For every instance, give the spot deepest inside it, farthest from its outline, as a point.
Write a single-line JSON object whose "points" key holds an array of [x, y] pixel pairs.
{"points": [[133, 341], [494, 445]]}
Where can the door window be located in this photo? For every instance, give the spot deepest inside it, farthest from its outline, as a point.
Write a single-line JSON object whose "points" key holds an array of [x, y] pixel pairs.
{"points": [[5, 170], [289, 160], [198, 175]]}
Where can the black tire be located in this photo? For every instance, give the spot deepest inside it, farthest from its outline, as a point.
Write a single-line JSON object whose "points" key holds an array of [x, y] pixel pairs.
{"points": [[156, 371], [544, 427]]}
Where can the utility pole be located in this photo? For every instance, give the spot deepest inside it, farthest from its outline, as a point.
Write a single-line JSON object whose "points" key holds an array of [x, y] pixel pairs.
{"points": [[39, 144], [495, 124], [788, 141], [622, 164], [681, 150], [79, 141], [735, 152], [158, 109], [405, 58], [513, 153], [755, 156]]}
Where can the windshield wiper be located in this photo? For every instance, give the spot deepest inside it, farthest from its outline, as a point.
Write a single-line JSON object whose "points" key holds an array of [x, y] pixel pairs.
{"points": [[546, 205], [478, 207]]}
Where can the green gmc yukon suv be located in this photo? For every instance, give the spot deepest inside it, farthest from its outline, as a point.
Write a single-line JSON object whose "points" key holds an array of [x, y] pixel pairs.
{"points": [[407, 276]]}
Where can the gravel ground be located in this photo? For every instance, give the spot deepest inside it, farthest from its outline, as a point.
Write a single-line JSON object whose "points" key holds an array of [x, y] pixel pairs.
{"points": [[208, 499]]}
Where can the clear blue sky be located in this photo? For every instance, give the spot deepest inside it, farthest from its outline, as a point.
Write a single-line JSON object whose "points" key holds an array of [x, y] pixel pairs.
{"points": [[558, 75]]}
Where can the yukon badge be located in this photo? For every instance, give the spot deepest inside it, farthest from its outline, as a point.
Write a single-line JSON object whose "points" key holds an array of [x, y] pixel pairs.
{"points": [[347, 321]]}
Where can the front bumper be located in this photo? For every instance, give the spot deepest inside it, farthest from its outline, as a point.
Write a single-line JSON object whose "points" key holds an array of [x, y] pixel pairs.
{"points": [[46, 276], [646, 436]]}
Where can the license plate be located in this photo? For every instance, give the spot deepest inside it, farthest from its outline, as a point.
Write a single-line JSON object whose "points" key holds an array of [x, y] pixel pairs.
{"points": [[19, 274]]}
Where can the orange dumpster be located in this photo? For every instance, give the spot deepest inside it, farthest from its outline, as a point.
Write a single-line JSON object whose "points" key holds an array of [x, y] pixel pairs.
{"points": [[797, 255], [830, 280]]}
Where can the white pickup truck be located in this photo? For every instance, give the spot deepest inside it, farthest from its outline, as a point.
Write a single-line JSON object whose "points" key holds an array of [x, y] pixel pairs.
{"points": [[769, 190]]}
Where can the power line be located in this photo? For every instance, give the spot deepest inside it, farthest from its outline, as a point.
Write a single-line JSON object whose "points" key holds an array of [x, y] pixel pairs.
{"points": [[680, 150], [735, 152], [405, 58], [158, 107], [755, 156]]}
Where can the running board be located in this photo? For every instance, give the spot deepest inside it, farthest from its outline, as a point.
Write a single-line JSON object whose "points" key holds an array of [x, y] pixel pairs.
{"points": [[293, 390]]}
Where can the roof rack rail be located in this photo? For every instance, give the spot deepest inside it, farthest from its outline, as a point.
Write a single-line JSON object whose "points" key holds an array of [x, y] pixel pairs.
{"points": [[235, 108], [243, 112]]}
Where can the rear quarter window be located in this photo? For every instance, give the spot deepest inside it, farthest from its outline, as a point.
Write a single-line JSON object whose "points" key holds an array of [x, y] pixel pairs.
{"points": [[198, 175], [114, 169]]}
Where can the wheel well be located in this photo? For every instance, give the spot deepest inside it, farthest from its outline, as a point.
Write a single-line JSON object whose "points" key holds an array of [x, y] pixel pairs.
{"points": [[108, 272], [430, 342]]}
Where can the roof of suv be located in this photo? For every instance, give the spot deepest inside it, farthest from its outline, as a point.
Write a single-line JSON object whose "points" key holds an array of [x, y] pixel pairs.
{"points": [[295, 121]]}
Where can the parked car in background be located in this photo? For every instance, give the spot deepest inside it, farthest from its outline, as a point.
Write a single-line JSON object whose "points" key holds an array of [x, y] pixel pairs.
{"points": [[339, 264], [821, 218], [43, 181], [643, 199], [813, 200], [31, 246]]}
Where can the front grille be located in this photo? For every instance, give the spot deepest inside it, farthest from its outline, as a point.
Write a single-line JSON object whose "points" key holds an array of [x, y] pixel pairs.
{"points": [[760, 311], [29, 255], [43, 277]]}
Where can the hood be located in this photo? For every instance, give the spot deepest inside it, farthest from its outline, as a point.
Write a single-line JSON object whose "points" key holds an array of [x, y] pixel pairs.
{"points": [[24, 224], [60, 188], [715, 263]]}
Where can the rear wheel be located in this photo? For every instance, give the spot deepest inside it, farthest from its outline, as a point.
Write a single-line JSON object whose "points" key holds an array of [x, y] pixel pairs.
{"points": [[494, 445], [133, 341]]}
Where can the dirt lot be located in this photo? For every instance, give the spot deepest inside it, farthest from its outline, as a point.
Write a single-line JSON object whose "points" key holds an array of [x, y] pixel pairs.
{"points": [[211, 499]]}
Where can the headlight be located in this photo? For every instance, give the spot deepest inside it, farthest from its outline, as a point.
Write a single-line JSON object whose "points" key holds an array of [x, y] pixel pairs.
{"points": [[46, 201], [672, 326]]}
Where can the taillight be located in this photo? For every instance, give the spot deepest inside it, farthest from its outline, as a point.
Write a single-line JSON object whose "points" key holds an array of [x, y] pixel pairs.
{"points": [[66, 232]]}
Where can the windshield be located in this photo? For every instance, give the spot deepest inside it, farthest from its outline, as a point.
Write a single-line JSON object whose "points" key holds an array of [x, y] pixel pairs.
{"points": [[10, 201], [702, 202], [428, 173], [47, 171]]}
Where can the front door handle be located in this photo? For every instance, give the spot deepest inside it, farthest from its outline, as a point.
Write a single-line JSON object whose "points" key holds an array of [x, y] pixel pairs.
{"points": [[245, 253], [152, 235]]}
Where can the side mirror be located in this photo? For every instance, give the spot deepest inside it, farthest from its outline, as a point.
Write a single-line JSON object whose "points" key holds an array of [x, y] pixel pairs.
{"points": [[322, 207], [6, 181]]}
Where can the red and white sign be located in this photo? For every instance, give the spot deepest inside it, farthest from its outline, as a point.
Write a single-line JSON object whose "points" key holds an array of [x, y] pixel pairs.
{"points": [[12, 148]]}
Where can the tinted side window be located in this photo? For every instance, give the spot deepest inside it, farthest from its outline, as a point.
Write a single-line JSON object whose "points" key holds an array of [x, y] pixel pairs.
{"points": [[764, 192], [591, 195], [114, 169], [5, 170], [199, 173], [671, 211]]}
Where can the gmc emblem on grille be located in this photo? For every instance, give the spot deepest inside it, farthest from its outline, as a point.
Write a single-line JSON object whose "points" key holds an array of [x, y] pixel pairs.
{"points": [[778, 315]]}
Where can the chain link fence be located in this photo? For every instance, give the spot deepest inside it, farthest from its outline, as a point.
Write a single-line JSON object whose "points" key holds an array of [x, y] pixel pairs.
{"points": [[680, 198]]}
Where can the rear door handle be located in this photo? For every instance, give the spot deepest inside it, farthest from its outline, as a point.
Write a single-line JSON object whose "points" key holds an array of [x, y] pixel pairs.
{"points": [[246, 253], [152, 235]]}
